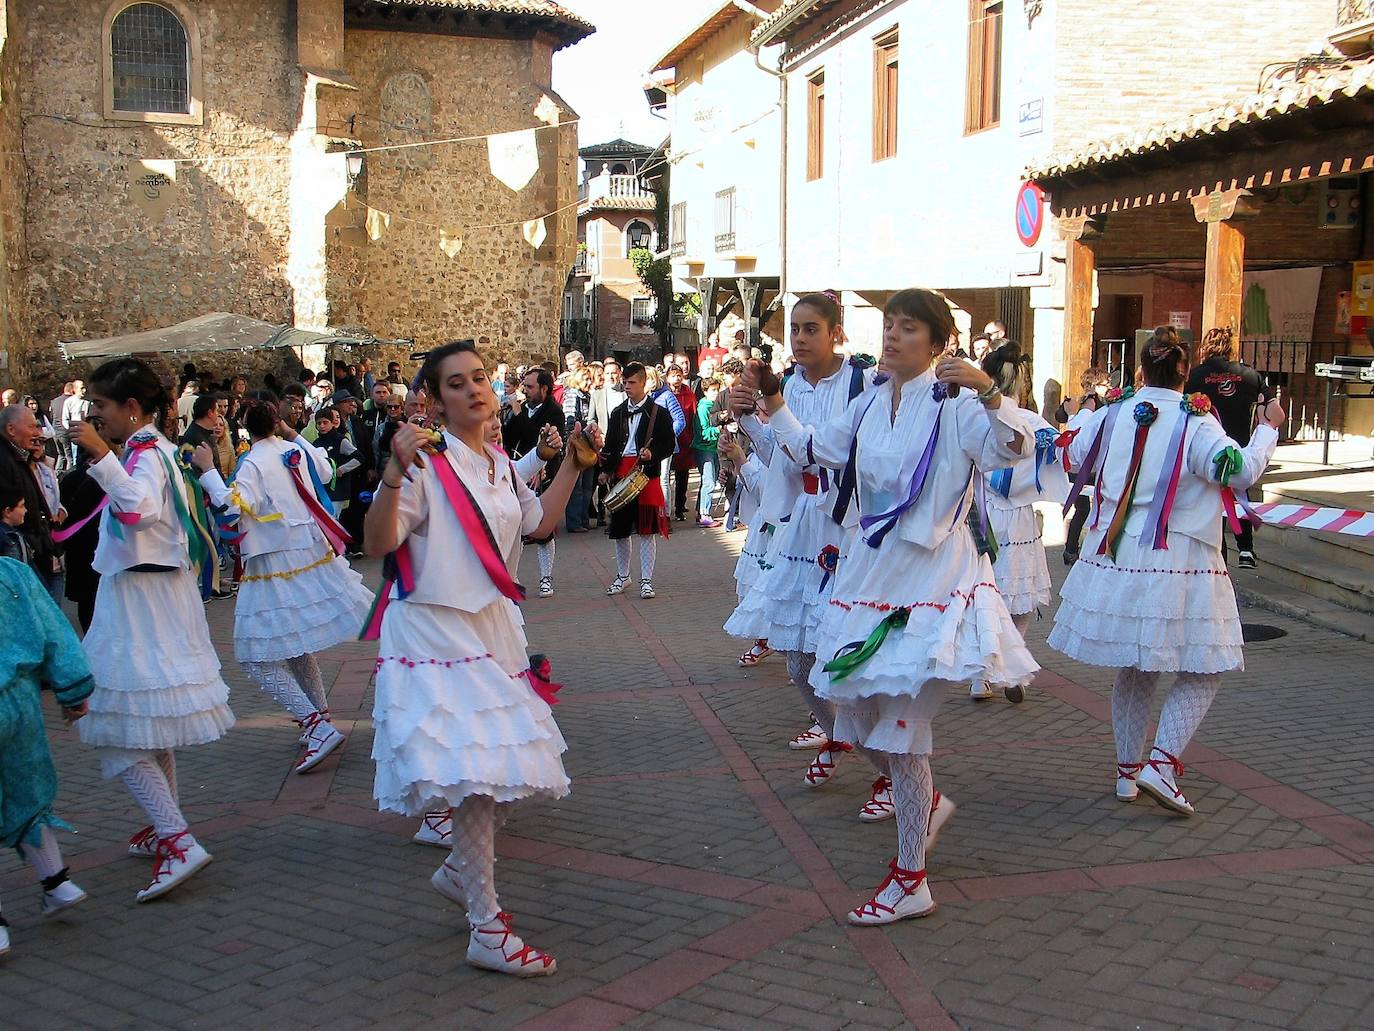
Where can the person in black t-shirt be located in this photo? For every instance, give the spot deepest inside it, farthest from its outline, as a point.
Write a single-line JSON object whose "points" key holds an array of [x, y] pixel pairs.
{"points": [[1235, 389]]}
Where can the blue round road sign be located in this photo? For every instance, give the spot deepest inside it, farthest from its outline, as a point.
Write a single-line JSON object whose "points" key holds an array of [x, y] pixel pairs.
{"points": [[1030, 213]]}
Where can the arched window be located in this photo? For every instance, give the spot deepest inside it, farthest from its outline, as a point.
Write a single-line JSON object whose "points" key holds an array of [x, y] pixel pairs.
{"points": [[152, 63], [619, 169], [638, 234]]}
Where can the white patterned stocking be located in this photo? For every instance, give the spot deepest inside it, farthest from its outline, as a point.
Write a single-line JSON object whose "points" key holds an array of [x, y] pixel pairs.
{"points": [[1184, 709], [546, 553], [278, 683], [148, 784], [648, 551], [45, 857], [1132, 697], [167, 762], [622, 558], [306, 669], [473, 857], [913, 791]]}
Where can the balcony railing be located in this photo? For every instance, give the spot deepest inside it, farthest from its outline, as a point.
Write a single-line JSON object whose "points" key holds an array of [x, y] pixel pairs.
{"points": [[1352, 12], [574, 332], [725, 221], [616, 188], [580, 264]]}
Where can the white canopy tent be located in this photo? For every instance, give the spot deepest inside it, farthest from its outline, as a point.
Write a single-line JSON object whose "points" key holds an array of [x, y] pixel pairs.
{"points": [[217, 331]]}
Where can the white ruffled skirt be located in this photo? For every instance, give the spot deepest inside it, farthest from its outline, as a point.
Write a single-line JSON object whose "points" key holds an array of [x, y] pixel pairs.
{"points": [[958, 630], [157, 679], [1169, 611], [1023, 575], [751, 557], [785, 603], [297, 602], [454, 715]]}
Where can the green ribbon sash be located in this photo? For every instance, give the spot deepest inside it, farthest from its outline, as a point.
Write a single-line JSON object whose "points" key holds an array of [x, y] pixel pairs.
{"points": [[853, 655]]}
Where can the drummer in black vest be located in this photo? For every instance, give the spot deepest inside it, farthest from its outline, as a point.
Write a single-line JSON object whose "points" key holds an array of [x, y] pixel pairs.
{"points": [[639, 438]]}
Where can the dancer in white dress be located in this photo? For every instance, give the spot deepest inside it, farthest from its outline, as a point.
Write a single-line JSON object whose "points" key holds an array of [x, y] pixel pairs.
{"points": [[298, 595], [436, 829], [1020, 568], [804, 500], [462, 713], [158, 685], [751, 470], [1150, 593], [914, 608]]}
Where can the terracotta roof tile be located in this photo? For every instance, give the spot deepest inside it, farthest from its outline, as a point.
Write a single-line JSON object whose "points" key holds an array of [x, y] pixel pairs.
{"points": [[574, 26]]}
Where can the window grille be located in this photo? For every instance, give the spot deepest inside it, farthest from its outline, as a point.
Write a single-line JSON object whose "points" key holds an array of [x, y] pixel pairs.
{"points": [[150, 59]]}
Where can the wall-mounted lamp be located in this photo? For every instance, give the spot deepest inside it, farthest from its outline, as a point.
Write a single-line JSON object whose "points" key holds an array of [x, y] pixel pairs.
{"points": [[354, 158]]}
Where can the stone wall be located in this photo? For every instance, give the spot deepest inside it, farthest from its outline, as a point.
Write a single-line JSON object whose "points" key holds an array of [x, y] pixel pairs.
{"points": [[242, 235], [13, 329], [98, 264], [497, 289]]}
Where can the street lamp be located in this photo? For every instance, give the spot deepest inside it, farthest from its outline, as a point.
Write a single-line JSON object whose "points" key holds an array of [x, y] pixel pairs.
{"points": [[354, 158]]}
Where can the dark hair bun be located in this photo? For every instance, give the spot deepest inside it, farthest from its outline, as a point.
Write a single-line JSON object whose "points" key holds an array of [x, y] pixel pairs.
{"points": [[259, 414], [1004, 364]]}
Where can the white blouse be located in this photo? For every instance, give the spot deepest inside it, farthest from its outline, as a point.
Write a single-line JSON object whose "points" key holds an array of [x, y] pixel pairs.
{"points": [[1197, 509], [890, 449], [812, 404], [272, 514], [156, 537], [447, 569]]}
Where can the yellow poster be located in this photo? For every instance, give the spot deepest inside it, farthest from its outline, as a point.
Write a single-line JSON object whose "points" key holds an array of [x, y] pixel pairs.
{"points": [[1362, 289]]}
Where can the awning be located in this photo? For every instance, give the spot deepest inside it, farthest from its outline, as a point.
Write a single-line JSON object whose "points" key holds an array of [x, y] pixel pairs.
{"points": [[217, 331]]}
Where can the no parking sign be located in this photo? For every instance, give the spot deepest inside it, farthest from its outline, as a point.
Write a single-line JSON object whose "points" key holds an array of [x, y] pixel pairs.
{"points": [[1030, 213]]}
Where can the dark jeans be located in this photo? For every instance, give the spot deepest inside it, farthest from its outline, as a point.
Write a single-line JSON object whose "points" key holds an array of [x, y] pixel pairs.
{"points": [[575, 515], [680, 477], [1245, 540], [1074, 536]]}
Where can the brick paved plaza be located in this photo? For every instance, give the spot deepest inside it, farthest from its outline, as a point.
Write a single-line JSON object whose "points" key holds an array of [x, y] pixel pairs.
{"points": [[691, 881]]}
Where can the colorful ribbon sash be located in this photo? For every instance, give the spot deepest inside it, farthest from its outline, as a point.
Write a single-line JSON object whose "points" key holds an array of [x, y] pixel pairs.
{"points": [[855, 654], [1097, 454], [133, 451], [1145, 415], [540, 677], [829, 561], [322, 513], [885, 521], [399, 567]]}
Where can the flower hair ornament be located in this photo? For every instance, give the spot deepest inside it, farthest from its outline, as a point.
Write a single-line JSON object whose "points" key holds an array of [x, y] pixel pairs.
{"points": [[1118, 394], [1196, 404]]}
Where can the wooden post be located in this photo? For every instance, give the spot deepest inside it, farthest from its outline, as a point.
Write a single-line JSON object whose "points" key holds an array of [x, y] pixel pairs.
{"points": [[1080, 263], [1224, 277]]}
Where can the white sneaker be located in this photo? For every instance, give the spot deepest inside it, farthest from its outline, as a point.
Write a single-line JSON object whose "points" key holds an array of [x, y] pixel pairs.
{"points": [[496, 946], [545, 587], [905, 895], [175, 863], [979, 691], [436, 829], [322, 739], [445, 882], [4, 937], [64, 895], [811, 740], [1157, 781], [940, 813], [646, 589]]}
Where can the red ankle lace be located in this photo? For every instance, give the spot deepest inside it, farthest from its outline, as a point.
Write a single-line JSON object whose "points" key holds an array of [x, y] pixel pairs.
{"points": [[526, 955], [907, 880]]}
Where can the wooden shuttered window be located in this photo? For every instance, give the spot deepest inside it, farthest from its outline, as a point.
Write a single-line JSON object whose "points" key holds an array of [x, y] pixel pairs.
{"points": [[815, 126], [885, 96], [983, 96]]}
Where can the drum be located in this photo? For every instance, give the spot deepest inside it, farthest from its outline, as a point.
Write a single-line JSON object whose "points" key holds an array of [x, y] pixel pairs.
{"points": [[626, 490]]}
